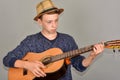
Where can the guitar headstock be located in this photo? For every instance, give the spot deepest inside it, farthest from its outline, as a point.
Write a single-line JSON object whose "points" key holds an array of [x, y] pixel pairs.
{"points": [[113, 44]]}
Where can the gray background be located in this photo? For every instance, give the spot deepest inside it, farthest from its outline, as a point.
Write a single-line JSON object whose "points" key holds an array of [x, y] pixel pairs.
{"points": [[88, 21]]}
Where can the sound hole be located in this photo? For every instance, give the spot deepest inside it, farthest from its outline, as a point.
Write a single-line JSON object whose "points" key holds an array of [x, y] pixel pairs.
{"points": [[46, 60]]}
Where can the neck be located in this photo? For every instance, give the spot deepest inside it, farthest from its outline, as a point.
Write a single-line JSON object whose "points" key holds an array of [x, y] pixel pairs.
{"points": [[50, 36]]}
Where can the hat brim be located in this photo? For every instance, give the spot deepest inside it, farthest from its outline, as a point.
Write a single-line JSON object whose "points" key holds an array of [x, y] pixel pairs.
{"points": [[58, 10]]}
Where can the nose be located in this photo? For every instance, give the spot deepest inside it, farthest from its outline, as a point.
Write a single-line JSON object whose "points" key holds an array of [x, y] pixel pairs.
{"points": [[54, 24]]}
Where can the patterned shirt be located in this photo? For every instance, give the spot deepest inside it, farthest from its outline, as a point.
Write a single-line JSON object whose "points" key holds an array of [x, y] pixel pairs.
{"points": [[38, 43]]}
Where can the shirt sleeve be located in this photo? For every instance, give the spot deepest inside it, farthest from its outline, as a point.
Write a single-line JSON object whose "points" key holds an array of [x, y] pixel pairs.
{"points": [[16, 53], [77, 63]]}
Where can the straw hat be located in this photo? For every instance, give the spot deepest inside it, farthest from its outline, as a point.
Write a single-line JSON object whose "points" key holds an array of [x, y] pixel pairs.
{"points": [[46, 6]]}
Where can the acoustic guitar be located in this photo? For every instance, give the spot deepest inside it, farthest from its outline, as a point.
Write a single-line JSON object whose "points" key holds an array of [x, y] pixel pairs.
{"points": [[54, 60]]}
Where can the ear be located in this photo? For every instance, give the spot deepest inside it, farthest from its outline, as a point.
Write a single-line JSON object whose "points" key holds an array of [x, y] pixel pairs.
{"points": [[39, 21]]}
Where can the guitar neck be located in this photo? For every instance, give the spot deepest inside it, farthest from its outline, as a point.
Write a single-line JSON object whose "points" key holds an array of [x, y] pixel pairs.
{"points": [[73, 53], [77, 52]]}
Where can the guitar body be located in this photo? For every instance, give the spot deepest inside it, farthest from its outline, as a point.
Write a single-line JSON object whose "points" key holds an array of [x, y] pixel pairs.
{"points": [[52, 69]]}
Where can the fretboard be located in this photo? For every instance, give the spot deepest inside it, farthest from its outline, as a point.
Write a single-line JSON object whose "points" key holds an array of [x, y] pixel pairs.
{"points": [[72, 53]]}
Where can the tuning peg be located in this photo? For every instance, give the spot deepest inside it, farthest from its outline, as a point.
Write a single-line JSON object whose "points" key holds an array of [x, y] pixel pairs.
{"points": [[119, 50], [114, 50]]}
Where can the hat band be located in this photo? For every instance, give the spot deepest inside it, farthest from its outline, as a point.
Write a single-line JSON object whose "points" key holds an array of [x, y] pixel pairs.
{"points": [[48, 10]]}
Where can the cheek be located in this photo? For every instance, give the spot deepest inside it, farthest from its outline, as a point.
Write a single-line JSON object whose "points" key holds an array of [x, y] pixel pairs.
{"points": [[46, 26]]}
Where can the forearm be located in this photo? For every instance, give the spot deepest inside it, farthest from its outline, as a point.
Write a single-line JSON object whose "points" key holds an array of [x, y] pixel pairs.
{"points": [[20, 63], [35, 67], [98, 48], [87, 61]]}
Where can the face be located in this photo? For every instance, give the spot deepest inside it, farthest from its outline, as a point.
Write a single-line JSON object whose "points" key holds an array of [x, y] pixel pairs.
{"points": [[49, 23]]}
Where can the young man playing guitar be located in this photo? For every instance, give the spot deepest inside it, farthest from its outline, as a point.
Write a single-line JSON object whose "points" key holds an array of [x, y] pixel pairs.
{"points": [[48, 17]]}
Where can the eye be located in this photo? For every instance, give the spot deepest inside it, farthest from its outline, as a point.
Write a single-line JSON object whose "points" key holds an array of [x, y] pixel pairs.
{"points": [[49, 22], [56, 20]]}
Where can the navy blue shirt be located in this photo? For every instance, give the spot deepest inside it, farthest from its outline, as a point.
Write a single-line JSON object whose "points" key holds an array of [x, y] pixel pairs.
{"points": [[38, 43]]}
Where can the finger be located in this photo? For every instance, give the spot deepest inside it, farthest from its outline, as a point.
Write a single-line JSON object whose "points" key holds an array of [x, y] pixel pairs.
{"points": [[95, 49], [36, 73], [101, 46], [41, 72], [98, 48], [41, 64]]}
